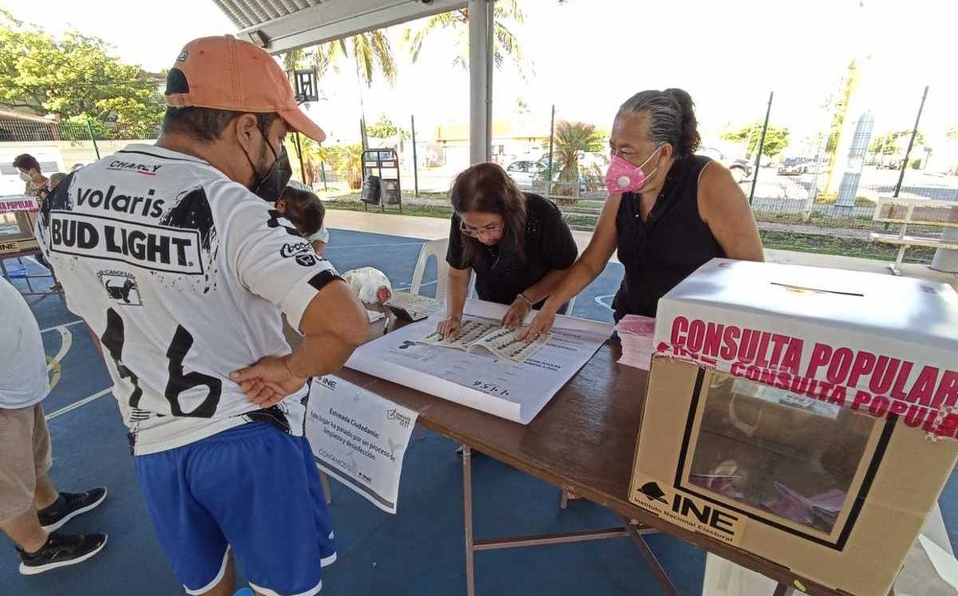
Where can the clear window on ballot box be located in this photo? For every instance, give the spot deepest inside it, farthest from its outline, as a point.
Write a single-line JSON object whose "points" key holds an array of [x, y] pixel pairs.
{"points": [[788, 460]]}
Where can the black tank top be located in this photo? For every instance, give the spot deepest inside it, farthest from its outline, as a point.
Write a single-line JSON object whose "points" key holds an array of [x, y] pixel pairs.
{"points": [[663, 250]]}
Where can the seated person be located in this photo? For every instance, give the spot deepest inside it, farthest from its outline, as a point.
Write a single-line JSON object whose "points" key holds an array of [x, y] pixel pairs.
{"points": [[517, 243], [669, 211], [306, 212]]}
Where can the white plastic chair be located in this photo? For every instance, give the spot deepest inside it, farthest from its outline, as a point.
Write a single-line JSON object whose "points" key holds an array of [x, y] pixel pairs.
{"points": [[432, 248]]}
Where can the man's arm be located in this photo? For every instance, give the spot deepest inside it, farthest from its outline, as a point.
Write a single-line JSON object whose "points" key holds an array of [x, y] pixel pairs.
{"points": [[334, 324]]}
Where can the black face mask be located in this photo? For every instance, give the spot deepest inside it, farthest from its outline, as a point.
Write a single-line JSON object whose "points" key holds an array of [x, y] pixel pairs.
{"points": [[270, 187]]}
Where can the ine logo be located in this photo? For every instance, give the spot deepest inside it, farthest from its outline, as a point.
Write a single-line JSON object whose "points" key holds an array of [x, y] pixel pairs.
{"points": [[689, 511], [121, 287], [653, 492]]}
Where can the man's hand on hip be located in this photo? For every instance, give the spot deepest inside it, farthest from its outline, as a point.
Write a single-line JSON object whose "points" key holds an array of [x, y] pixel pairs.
{"points": [[269, 381]]}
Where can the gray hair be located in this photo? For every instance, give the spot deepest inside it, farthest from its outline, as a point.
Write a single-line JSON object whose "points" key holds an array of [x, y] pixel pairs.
{"points": [[671, 118]]}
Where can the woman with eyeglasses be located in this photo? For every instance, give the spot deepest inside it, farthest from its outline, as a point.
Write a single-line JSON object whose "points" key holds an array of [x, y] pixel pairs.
{"points": [[669, 211], [517, 244]]}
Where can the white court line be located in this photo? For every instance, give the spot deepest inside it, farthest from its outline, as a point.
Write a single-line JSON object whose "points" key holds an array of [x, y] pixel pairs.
{"points": [[79, 404], [61, 326], [66, 342]]}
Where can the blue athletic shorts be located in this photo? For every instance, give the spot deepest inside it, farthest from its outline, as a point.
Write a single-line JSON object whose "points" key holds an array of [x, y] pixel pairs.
{"points": [[254, 489]]}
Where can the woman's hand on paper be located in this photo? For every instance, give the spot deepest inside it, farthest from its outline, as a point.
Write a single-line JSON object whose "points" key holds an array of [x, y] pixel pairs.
{"points": [[542, 323], [449, 327], [516, 314]]}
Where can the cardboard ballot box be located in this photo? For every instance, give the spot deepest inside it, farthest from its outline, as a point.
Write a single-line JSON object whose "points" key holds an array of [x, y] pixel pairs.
{"points": [[805, 415], [17, 236]]}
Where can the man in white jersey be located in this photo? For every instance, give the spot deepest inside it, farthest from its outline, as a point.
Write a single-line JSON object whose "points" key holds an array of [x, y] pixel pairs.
{"points": [[176, 258]]}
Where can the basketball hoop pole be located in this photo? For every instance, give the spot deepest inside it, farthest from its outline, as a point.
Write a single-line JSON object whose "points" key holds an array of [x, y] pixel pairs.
{"points": [[302, 168]]}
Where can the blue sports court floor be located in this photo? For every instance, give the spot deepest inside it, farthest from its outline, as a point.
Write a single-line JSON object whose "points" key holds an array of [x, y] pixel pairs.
{"points": [[419, 551]]}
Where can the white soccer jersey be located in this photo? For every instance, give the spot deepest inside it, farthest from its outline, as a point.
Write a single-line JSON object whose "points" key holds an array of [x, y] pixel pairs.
{"points": [[182, 274]]}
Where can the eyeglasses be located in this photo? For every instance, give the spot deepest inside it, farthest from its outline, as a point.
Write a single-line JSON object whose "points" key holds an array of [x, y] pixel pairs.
{"points": [[483, 231]]}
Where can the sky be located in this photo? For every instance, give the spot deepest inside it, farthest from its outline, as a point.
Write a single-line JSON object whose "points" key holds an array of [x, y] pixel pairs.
{"points": [[588, 56]]}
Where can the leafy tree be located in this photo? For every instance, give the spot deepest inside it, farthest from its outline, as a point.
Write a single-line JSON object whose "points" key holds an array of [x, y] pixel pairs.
{"points": [[347, 162], [506, 43], [952, 134], [384, 128], [75, 78], [776, 138], [370, 52], [890, 143], [314, 156]]}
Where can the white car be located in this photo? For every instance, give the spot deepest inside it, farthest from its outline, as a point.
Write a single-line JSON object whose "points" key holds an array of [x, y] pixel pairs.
{"points": [[527, 174]]}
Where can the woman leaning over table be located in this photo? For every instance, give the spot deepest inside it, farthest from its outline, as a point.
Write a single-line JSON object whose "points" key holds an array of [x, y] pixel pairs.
{"points": [[517, 244], [669, 211]]}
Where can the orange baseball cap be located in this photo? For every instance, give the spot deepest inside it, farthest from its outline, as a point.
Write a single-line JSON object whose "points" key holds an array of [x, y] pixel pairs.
{"points": [[225, 73]]}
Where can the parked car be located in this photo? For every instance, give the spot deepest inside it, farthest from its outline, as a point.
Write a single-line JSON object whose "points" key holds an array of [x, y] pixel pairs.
{"points": [[527, 174], [531, 175], [794, 166], [741, 169]]}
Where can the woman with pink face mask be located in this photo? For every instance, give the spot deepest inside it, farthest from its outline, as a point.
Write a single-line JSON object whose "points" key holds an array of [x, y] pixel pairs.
{"points": [[669, 211]]}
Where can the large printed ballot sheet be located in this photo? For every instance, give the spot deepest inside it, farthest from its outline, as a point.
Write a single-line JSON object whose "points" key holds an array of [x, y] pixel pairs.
{"points": [[478, 379]]}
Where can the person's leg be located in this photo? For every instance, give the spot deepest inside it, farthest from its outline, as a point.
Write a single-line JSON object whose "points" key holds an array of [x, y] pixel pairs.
{"points": [[187, 533], [25, 531], [55, 509], [24, 444], [227, 585], [240, 479], [46, 493], [18, 476]]}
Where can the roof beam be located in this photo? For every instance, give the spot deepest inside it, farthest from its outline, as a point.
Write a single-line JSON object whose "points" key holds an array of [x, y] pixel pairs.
{"points": [[336, 19]]}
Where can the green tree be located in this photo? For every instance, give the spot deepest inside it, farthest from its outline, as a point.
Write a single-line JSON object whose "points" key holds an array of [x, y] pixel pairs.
{"points": [[891, 143], [570, 141], [382, 128], [952, 134], [506, 44], [776, 138], [75, 78], [371, 53], [347, 162]]}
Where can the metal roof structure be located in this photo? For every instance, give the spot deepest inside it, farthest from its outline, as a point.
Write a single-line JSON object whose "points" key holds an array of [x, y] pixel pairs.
{"points": [[282, 25]]}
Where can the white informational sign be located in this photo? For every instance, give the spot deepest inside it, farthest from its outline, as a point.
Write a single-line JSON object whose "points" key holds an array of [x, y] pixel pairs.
{"points": [[359, 438], [479, 379]]}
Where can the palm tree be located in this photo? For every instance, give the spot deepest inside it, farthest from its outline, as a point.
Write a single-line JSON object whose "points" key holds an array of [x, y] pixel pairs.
{"points": [[507, 12], [371, 51], [571, 139]]}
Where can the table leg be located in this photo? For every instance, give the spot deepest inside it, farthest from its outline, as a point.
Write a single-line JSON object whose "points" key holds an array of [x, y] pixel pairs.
{"points": [[896, 267], [26, 276], [782, 590], [467, 504], [667, 586]]}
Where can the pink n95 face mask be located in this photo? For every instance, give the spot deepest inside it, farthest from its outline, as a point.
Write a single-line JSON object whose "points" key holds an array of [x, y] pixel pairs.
{"points": [[624, 176]]}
